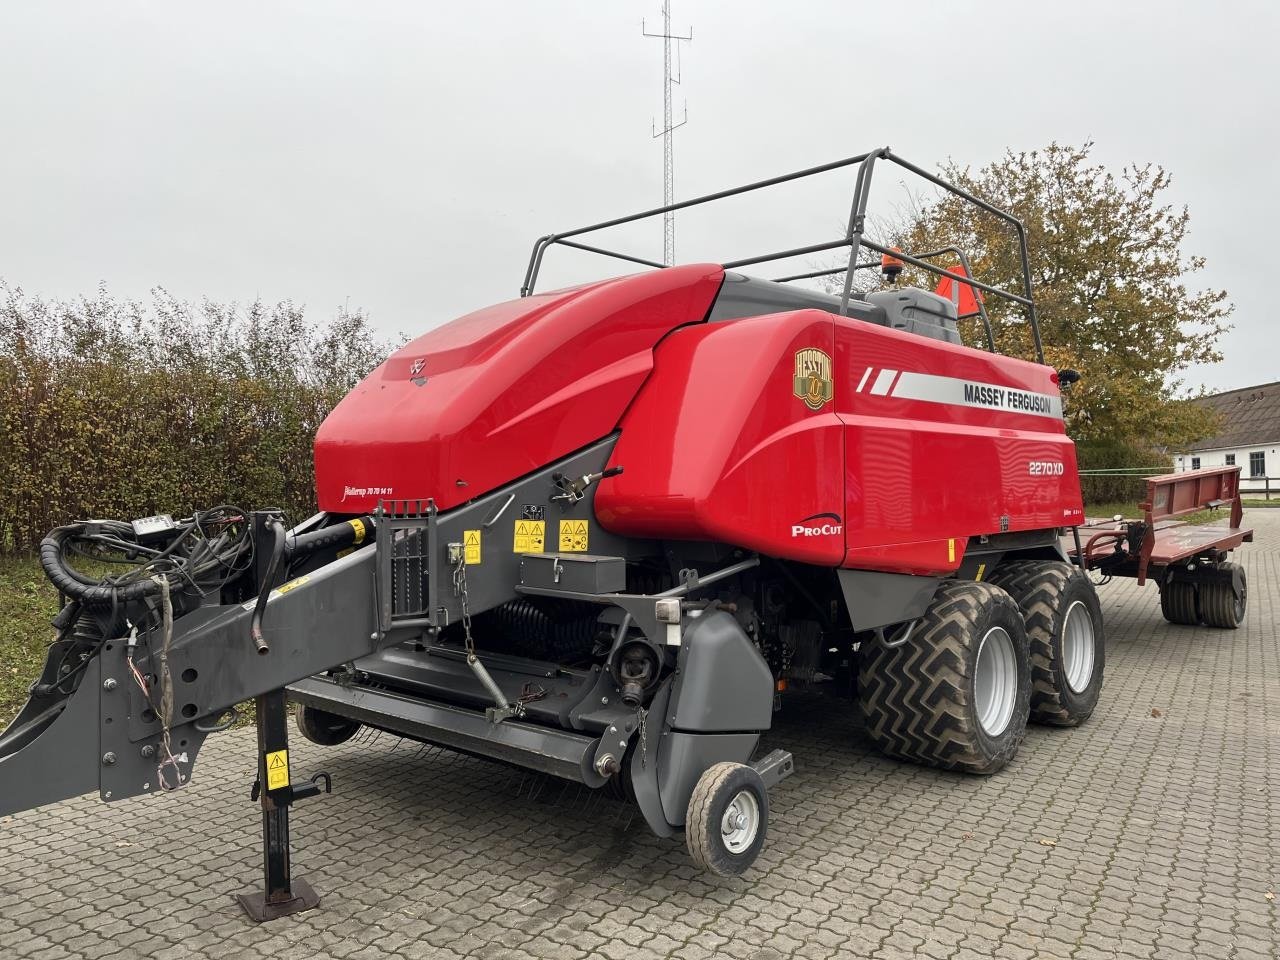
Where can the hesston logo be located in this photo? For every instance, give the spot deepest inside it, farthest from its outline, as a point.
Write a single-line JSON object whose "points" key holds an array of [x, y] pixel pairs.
{"points": [[812, 382], [808, 528]]}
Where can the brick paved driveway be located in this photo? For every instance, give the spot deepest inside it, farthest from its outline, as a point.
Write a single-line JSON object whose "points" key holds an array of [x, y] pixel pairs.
{"points": [[1150, 832]]}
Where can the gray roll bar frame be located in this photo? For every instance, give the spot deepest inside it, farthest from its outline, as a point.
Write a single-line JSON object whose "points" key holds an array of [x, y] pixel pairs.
{"points": [[854, 238]]}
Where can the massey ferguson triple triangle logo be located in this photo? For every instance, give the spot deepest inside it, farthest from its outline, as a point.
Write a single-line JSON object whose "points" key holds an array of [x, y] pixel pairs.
{"points": [[812, 382]]}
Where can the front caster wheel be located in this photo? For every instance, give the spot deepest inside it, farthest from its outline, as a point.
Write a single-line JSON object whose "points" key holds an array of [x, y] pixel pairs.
{"points": [[728, 818]]}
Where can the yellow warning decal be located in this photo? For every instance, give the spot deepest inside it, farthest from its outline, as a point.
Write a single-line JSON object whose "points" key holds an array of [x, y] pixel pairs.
{"points": [[531, 536], [982, 568], [471, 547], [291, 585], [951, 551], [573, 536], [358, 526], [277, 769]]}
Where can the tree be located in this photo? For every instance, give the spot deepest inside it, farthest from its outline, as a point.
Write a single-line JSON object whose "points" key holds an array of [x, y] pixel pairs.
{"points": [[1113, 286]]}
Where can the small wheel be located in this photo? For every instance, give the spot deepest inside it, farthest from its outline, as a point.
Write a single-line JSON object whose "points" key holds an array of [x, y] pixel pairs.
{"points": [[326, 729], [1178, 602], [728, 818], [1223, 601], [1064, 631]]}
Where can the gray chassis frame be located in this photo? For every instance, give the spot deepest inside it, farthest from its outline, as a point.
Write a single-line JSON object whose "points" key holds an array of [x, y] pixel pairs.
{"points": [[711, 708]]}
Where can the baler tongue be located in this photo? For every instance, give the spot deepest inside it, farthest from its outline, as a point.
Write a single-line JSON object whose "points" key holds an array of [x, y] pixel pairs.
{"points": [[49, 751]]}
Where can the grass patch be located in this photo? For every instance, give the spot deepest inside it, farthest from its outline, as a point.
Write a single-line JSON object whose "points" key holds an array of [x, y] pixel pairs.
{"points": [[27, 603]]}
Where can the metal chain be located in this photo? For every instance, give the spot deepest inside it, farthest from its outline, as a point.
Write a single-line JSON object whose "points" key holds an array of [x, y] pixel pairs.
{"points": [[460, 588]]}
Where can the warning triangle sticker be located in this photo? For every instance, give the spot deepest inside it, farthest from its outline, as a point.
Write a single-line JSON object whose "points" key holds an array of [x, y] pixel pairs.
{"points": [[277, 761]]}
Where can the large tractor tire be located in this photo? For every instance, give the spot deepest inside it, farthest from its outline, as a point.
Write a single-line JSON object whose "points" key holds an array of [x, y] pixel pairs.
{"points": [[1223, 600], [1064, 633], [956, 693], [1178, 602]]}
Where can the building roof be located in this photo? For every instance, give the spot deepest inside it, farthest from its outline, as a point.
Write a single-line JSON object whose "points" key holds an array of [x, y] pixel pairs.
{"points": [[1250, 415]]}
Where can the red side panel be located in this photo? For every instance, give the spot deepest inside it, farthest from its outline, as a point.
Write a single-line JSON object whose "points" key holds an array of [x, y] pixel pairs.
{"points": [[944, 443], [721, 445], [503, 391], [924, 444]]}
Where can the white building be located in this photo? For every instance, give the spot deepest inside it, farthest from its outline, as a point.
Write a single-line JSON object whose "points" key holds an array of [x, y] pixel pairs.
{"points": [[1249, 437]]}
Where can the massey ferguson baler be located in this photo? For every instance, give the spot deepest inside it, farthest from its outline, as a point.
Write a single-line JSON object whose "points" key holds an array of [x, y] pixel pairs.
{"points": [[598, 533]]}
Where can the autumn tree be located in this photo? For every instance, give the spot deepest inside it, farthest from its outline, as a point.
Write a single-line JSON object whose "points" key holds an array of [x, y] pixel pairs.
{"points": [[1114, 286]]}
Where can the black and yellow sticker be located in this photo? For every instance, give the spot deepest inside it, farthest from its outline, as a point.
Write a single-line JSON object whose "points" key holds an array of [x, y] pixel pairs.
{"points": [[531, 536], [291, 585], [573, 536], [277, 769], [471, 547]]}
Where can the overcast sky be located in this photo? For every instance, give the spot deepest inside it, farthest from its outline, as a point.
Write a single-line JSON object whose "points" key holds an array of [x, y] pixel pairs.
{"points": [[402, 157]]}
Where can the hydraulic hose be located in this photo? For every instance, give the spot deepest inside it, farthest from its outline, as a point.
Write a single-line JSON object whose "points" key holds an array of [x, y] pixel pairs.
{"points": [[90, 594], [268, 581]]}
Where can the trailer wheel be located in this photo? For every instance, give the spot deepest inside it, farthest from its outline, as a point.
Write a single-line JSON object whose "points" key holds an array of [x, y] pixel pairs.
{"points": [[956, 694], [1221, 604], [326, 729], [1064, 634], [1178, 602], [727, 819]]}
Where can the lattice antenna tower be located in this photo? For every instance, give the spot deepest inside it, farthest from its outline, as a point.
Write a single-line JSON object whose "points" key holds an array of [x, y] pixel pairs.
{"points": [[670, 79]]}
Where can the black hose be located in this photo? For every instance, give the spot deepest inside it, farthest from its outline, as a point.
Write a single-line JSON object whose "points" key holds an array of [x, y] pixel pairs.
{"points": [[268, 581], [90, 594]]}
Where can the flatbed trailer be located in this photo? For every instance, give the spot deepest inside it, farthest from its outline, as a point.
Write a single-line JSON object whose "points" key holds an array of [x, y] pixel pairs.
{"points": [[1188, 561]]}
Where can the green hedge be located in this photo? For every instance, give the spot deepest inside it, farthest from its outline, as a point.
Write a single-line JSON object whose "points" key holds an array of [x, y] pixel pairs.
{"points": [[116, 408], [1118, 455]]}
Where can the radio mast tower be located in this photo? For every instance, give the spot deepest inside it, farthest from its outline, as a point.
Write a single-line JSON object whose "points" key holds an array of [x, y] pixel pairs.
{"points": [[668, 162]]}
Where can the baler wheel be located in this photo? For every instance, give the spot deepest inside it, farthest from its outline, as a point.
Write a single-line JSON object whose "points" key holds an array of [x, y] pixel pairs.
{"points": [[1065, 636], [956, 694], [323, 728], [727, 819], [1220, 604], [1178, 602]]}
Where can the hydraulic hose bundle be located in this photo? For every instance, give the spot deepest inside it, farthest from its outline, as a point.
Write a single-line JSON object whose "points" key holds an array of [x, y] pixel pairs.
{"points": [[200, 554]]}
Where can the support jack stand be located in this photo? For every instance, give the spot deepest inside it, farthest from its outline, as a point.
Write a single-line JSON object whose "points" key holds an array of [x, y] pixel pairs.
{"points": [[281, 894]]}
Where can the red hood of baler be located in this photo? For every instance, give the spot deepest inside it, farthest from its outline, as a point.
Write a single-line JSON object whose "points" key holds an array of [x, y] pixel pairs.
{"points": [[498, 393]]}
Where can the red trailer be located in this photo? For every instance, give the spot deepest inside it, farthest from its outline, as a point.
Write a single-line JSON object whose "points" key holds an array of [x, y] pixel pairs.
{"points": [[1188, 561]]}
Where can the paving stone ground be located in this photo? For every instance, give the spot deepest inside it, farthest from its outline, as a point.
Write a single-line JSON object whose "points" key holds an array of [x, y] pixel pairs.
{"points": [[1152, 831]]}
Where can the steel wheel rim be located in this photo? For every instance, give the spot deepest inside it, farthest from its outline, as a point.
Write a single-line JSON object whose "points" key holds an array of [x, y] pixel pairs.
{"points": [[741, 822], [1077, 646], [995, 681]]}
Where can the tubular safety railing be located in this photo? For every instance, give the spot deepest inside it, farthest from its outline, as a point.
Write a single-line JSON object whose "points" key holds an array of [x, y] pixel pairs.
{"points": [[854, 239]]}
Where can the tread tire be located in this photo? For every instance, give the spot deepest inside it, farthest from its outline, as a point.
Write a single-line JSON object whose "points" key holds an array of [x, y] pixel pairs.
{"points": [[918, 699], [323, 728], [1219, 605], [1178, 602], [1045, 590], [712, 794]]}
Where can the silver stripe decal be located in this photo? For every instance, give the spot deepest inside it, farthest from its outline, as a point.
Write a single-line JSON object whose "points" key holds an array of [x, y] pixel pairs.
{"points": [[884, 380], [975, 393], [863, 382]]}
